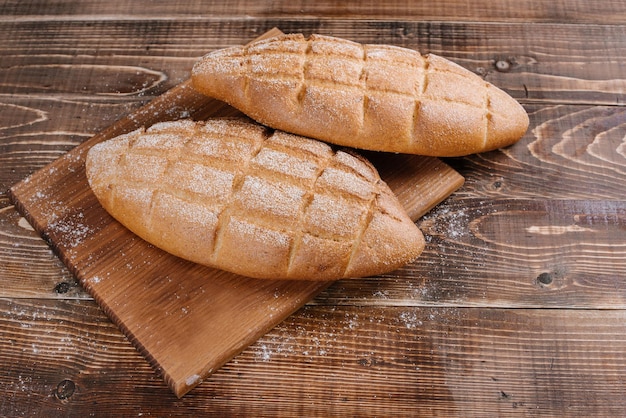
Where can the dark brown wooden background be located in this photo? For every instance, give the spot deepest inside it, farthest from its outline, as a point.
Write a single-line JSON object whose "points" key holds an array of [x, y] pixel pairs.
{"points": [[517, 307]]}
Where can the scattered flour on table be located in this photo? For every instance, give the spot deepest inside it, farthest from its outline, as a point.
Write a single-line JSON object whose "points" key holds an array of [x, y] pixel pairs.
{"points": [[410, 320], [278, 345], [352, 321], [452, 223]]}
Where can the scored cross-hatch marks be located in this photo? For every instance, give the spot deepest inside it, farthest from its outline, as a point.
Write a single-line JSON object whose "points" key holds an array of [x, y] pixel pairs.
{"points": [[272, 180], [321, 63]]}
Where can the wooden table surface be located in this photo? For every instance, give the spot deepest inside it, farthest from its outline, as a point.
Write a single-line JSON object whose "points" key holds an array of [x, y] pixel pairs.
{"points": [[517, 306]]}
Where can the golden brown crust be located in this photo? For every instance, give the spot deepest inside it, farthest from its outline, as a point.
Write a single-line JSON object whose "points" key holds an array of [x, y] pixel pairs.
{"points": [[231, 194], [376, 97]]}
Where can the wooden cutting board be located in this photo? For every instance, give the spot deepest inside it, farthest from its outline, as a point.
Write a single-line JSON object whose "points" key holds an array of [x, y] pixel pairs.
{"points": [[186, 319]]}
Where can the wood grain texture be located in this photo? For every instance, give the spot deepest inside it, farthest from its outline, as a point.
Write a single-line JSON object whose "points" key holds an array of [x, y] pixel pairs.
{"points": [[570, 152], [534, 65], [28, 266], [327, 360], [480, 252], [515, 253], [527, 331], [455, 10]]}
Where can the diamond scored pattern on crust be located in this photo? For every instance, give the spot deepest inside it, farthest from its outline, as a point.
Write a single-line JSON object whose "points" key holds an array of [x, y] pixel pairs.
{"points": [[321, 65], [322, 200]]}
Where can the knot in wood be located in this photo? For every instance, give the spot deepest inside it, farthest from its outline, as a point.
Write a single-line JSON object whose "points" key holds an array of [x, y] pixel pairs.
{"points": [[503, 66], [65, 389], [544, 279], [62, 287]]}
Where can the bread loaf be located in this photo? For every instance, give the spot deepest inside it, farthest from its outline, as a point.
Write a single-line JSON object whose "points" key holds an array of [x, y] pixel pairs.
{"points": [[234, 195], [375, 97]]}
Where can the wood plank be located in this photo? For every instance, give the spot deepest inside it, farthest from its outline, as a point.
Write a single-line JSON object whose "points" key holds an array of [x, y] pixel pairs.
{"points": [[38, 130], [516, 253], [28, 266], [579, 11], [538, 63], [456, 362], [569, 152], [328, 360]]}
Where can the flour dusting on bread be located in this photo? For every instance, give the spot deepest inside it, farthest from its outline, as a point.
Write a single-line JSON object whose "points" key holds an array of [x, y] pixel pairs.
{"points": [[234, 195], [376, 97]]}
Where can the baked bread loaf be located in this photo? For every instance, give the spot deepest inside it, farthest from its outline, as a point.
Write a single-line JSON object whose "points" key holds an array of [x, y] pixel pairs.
{"points": [[235, 195], [375, 97]]}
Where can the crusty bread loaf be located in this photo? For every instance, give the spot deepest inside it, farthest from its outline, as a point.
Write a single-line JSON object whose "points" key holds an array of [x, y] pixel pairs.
{"points": [[234, 195], [375, 97]]}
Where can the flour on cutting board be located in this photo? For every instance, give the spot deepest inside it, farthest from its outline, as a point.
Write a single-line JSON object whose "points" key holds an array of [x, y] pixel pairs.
{"points": [[73, 228]]}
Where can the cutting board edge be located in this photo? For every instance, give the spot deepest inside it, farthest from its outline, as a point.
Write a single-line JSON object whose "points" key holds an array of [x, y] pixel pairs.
{"points": [[181, 387], [457, 183], [13, 194]]}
